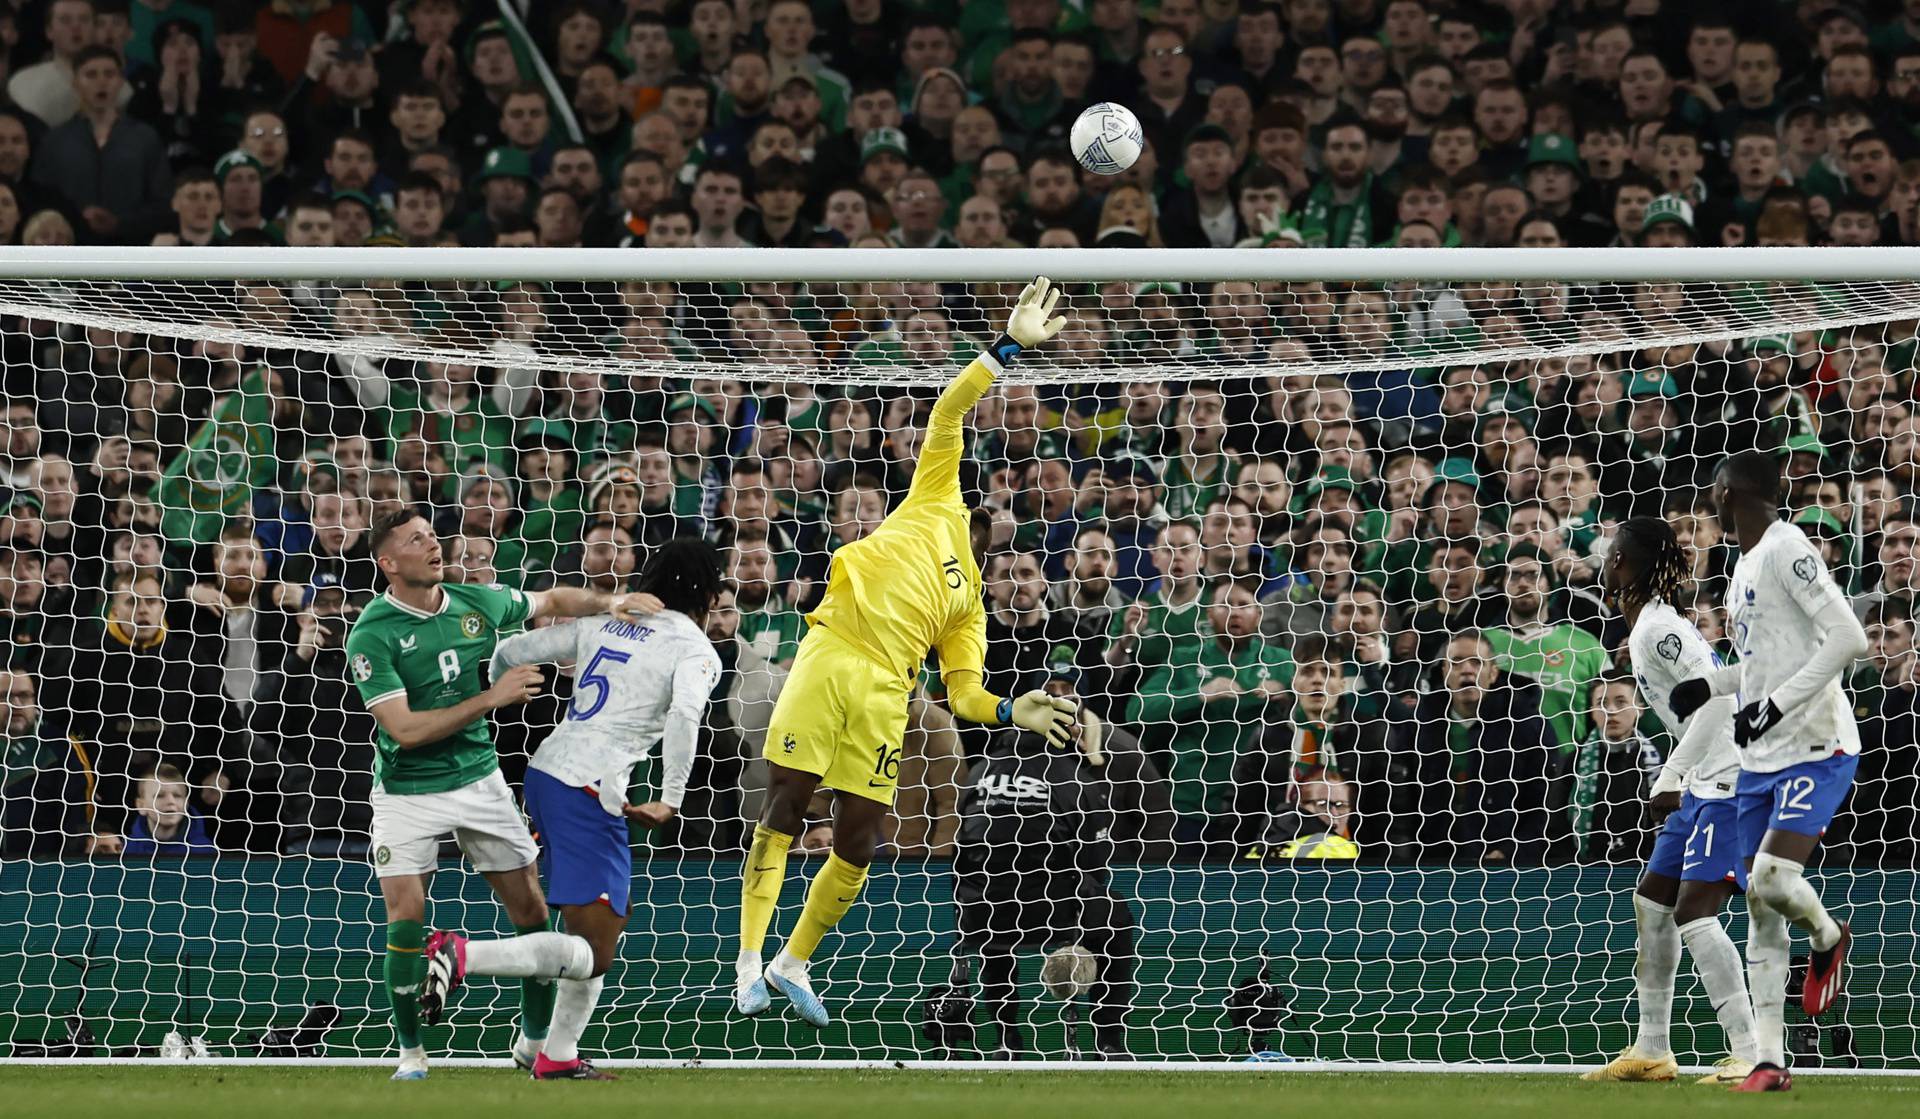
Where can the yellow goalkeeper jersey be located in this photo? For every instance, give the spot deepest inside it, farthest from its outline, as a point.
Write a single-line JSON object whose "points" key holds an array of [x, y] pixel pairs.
{"points": [[913, 584]]}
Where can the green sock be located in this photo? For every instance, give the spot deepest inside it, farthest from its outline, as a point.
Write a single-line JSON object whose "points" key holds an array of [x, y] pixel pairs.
{"points": [[536, 995], [405, 968]]}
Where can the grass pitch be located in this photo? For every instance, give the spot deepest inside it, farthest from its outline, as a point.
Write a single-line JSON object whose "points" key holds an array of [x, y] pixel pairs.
{"points": [[290, 1093]]}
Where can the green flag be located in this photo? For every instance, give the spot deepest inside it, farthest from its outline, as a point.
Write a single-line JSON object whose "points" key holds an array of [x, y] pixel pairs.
{"points": [[225, 461]]}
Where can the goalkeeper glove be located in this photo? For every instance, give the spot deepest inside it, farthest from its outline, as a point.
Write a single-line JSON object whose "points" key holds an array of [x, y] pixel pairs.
{"points": [[1032, 321], [1045, 715]]}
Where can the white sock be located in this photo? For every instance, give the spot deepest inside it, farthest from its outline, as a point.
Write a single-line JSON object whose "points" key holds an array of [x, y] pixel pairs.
{"points": [[1653, 973], [1767, 978], [1717, 962], [573, 1007], [417, 1053], [1783, 885], [545, 955], [788, 965], [747, 967]]}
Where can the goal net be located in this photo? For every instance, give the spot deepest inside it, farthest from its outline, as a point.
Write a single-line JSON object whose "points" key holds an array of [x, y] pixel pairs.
{"points": [[1316, 537]]}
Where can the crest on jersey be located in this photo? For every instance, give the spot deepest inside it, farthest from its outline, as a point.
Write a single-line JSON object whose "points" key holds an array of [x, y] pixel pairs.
{"points": [[362, 668], [1807, 568], [1669, 648], [787, 744], [472, 623]]}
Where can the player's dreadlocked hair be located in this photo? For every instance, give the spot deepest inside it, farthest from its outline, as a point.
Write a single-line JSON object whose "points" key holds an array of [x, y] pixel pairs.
{"points": [[684, 574], [1659, 562]]}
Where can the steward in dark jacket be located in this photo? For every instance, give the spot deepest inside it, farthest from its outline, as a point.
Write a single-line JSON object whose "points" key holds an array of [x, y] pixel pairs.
{"points": [[1031, 870]]}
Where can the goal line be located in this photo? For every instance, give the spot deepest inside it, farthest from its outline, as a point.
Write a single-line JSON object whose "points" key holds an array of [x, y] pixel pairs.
{"points": [[1284, 1067]]}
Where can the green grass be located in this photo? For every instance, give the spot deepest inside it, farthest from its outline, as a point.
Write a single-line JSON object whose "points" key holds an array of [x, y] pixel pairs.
{"points": [[288, 1093]]}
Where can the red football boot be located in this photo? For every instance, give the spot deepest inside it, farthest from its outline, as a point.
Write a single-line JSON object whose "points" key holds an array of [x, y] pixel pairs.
{"points": [[1765, 1078], [575, 1069], [1826, 975]]}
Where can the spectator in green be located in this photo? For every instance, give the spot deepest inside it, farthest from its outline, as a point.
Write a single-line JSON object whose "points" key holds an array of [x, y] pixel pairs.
{"points": [[593, 414], [1200, 715], [924, 337], [448, 410], [1560, 657], [506, 184], [607, 561], [750, 505], [551, 514], [1450, 510], [1612, 771], [1168, 624], [488, 506], [1201, 469], [769, 624], [1336, 495], [147, 17], [1158, 332], [795, 475], [1326, 737], [1456, 597], [1571, 488], [695, 437]]}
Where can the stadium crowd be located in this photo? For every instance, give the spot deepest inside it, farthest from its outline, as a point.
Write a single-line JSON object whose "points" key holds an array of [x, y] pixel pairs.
{"points": [[1354, 603]]}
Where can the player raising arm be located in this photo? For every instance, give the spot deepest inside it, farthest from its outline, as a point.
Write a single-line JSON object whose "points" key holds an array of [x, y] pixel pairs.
{"points": [[911, 586], [1696, 862], [638, 683], [1799, 745], [415, 654]]}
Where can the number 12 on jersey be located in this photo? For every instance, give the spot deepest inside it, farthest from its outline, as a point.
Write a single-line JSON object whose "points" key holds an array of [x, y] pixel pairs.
{"points": [[592, 678]]}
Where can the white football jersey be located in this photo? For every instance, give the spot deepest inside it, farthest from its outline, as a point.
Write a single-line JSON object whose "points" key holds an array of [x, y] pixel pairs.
{"points": [[1774, 603], [628, 679], [1665, 649]]}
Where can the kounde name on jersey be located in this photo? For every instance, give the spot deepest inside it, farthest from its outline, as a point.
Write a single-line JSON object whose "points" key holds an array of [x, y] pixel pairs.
{"points": [[434, 660]]}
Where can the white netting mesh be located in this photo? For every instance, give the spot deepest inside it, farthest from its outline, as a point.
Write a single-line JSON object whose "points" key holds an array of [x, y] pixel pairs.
{"points": [[1198, 492]]}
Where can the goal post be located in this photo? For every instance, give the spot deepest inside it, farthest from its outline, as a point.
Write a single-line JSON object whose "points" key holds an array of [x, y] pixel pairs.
{"points": [[1264, 512]]}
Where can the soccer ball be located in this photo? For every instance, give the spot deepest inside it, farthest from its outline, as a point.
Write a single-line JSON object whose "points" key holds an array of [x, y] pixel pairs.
{"points": [[1107, 138], [1069, 972]]}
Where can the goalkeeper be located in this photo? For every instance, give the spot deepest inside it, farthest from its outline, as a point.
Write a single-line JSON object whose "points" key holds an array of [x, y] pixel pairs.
{"points": [[911, 586]]}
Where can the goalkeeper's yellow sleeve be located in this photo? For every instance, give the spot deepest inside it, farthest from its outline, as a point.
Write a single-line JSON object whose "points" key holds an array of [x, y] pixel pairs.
{"points": [[968, 699], [936, 477], [963, 655]]}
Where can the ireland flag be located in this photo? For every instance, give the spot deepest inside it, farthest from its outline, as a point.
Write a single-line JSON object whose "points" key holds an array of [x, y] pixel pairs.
{"points": [[225, 461]]}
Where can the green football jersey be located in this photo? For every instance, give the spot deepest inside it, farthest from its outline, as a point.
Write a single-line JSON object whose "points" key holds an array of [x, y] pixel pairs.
{"points": [[1189, 494], [774, 631], [435, 661], [1564, 660]]}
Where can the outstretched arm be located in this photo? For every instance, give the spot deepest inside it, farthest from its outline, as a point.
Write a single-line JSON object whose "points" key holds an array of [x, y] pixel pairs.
{"points": [[937, 475], [962, 658], [546, 645], [578, 602]]}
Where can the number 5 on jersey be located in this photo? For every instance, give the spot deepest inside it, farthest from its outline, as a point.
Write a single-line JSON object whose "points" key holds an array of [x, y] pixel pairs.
{"points": [[591, 678]]}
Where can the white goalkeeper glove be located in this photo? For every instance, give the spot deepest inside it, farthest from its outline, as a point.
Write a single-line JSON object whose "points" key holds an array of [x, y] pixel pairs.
{"points": [[1045, 715], [1033, 320]]}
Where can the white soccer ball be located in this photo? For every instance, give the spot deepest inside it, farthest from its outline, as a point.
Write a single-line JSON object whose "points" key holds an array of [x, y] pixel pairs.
{"points": [[1107, 138], [1069, 972]]}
